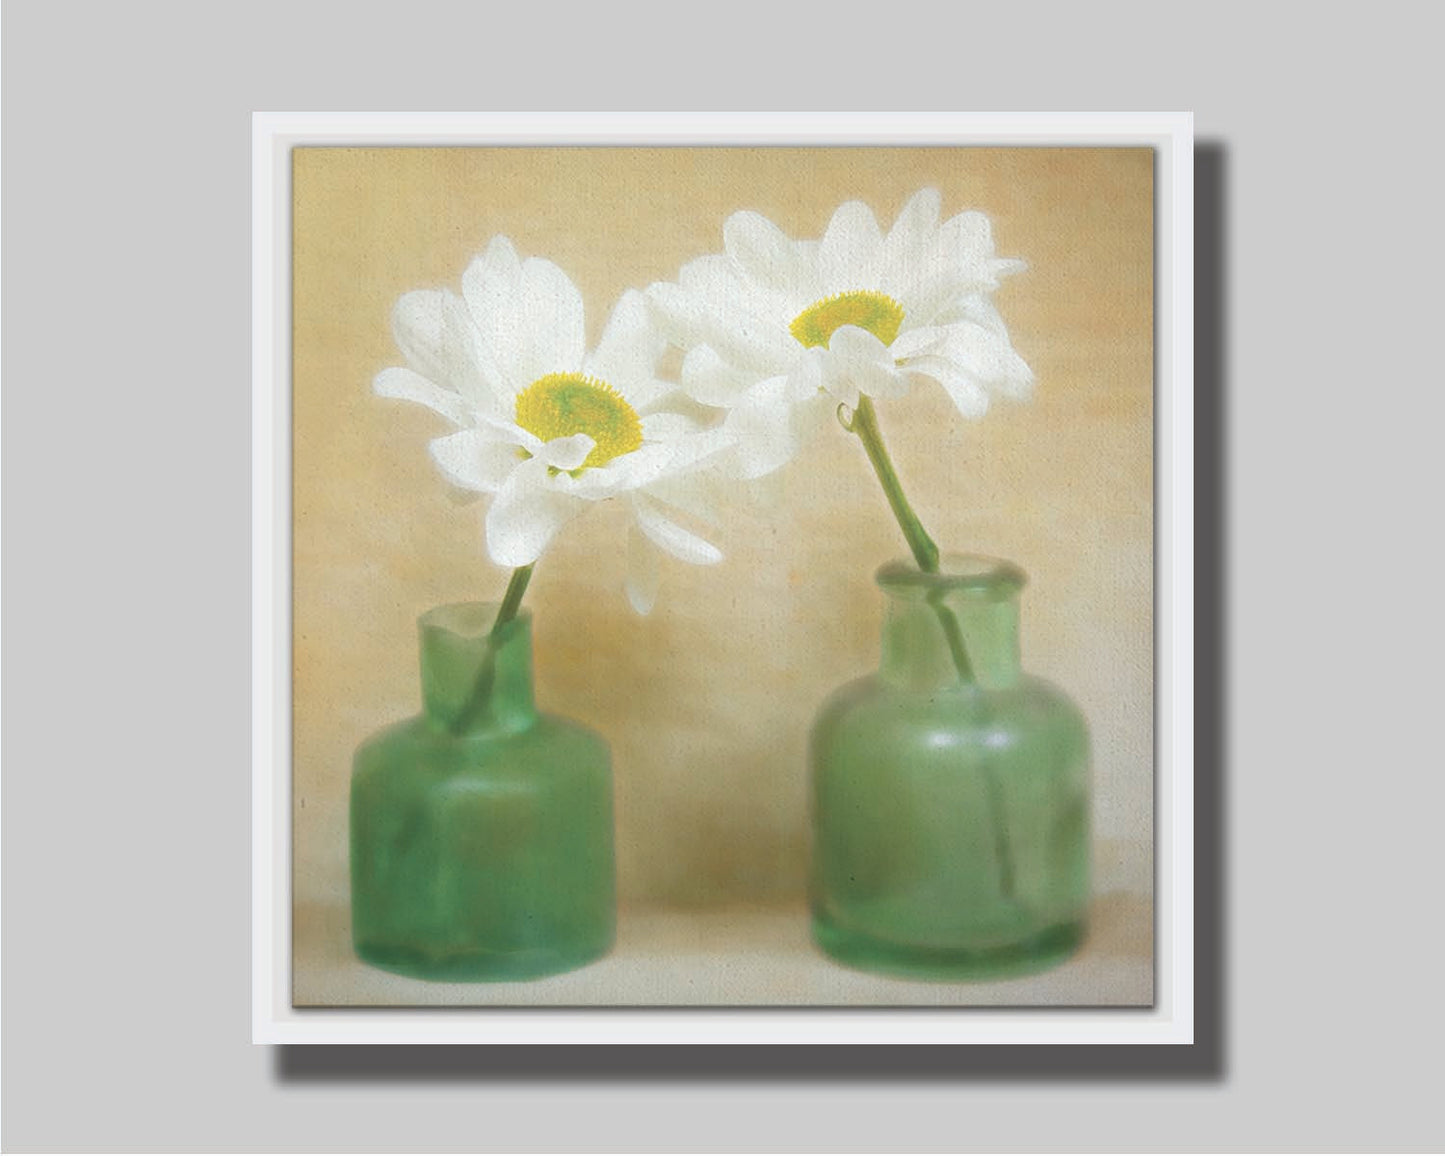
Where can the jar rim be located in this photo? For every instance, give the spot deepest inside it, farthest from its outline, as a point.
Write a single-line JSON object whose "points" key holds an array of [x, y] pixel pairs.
{"points": [[977, 575], [471, 620]]}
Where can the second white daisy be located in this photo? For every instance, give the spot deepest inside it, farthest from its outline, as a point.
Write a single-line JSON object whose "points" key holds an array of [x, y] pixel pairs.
{"points": [[779, 332]]}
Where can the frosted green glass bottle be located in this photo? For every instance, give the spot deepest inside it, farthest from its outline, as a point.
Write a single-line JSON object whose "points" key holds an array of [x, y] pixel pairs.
{"points": [[481, 830], [950, 791]]}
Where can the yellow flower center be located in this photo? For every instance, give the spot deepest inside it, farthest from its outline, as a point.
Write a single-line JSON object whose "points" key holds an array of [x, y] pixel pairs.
{"points": [[562, 404], [876, 312]]}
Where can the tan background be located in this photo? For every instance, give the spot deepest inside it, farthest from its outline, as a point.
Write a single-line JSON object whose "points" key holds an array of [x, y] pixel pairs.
{"points": [[707, 702]]}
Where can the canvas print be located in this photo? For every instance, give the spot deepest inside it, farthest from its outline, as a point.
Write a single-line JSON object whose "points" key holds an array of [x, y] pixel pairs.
{"points": [[722, 576]]}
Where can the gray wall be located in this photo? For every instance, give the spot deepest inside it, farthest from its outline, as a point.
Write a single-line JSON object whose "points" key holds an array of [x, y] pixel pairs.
{"points": [[126, 470]]}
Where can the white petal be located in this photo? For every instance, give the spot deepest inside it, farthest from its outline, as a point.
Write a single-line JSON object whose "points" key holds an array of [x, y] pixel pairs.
{"points": [[654, 461], [755, 346], [926, 300], [498, 261], [420, 324], [712, 304], [766, 255], [888, 381], [550, 324], [957, 264], [697, 493], [644, 571], [812, 416], [475, 459], [407, 385], [526, 515], [858, 362], [512, 433], [967, 394], [856, 343], [646, 396], [851, 255], [671, 537], [621, 475], [693, 450], [964, 250], [916, 342], [673, 312], [567, 453], [707, 378], [763, 430], [1017, 387], [674, 401], [807, 376], [910, 237], [435, 332], [972, 232], [989, 359], [491, 286], [667, 426], [975, 307], [629, 349], [1008, 266], [719, 281]]}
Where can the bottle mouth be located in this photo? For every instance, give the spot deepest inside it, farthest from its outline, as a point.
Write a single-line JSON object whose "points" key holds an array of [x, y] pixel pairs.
{"points": [[467, 620], [974, 575]]}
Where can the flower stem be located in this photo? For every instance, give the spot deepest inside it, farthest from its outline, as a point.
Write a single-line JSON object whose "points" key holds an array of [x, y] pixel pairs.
{"points": [[925, 550], [487, 672], [512, 599], [864, 423]]}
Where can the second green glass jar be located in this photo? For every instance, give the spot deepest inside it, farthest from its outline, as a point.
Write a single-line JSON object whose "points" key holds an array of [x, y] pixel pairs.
{"points": [[950, 791]]}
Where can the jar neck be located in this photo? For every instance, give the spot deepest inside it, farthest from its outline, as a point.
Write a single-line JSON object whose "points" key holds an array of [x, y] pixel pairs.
{"points": [[953, 628], [471, 681]]}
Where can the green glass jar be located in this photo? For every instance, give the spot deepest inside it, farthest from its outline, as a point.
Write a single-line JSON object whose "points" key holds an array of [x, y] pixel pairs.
{"points": [[950, 791], [481, 830]]}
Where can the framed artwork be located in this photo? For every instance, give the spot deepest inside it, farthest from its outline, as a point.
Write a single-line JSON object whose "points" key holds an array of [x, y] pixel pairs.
{"points": [[723, 578]]}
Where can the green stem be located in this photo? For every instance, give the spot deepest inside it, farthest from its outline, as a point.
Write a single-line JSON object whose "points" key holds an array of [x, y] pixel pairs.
{"points": [[1000, 830], [482, 688], [512, 599], [864, 423], [925, 550], [952, 633]]}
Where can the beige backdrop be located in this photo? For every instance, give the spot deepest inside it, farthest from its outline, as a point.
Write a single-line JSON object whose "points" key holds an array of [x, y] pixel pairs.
{"points": [[707, 702]]}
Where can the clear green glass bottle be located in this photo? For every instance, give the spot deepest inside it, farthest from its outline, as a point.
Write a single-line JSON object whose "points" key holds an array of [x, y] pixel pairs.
{"points": [[481, 830], [950, 791]]}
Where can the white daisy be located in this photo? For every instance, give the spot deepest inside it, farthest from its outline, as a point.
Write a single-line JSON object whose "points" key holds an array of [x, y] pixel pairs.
{"points": [[547, 427], [779, 332]]}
